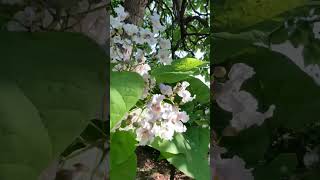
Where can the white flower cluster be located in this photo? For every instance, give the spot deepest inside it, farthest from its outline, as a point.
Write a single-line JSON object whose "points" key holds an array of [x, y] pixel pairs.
{"points": [[127, 37], [128, 44], [159, 118], [134, 49], [241, 103]]}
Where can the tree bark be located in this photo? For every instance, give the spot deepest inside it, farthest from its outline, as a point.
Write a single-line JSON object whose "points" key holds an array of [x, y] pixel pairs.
{"points": [[136, 9]]}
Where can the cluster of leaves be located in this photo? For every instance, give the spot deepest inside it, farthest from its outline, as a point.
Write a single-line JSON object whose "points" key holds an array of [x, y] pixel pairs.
{"points": [[239, 27]]}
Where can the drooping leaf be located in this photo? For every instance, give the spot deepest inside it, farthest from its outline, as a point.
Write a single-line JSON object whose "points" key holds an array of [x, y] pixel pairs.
{"points": [[125, 90], [198, 88], [52, 84]]}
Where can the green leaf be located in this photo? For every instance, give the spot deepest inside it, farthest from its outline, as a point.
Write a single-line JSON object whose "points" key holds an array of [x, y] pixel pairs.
{"points": [[243, 144], [21, 126], [294, 93], [226, 45], [123, 160], [125, 170], [117, 107], [189, 152], [283, 165], [49, 91], [179, 70], [201, 90], [123, 146], [237, 15], [170, 77], [125, 90], [176, 146], [187, 64]]}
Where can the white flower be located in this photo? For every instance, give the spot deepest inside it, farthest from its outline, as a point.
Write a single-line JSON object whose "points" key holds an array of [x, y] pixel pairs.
{"points": [[138, 39], [163, 131], [310, 158], [156, 25], [241, 103], [184, 85], [167, 110], [155, 106], [155, 17], [116, 54], [177, 126], [144, 136], [246, 119], [164, 57], [183, 116], [126, 50], [165, 89], [142, 69], [130, 29], [145, 33], [122, 15], [165, 44], [140, 56], [117, 40], [146, 36], [115, 22], [185, 94]]}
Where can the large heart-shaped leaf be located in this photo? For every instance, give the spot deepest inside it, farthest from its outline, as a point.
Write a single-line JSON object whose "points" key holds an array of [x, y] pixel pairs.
{"points": [[188, 152], [125, 90], [52, 84], [294, 93]]}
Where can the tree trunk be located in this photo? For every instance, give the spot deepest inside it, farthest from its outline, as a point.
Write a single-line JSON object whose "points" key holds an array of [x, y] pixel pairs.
{"points": [[136, 9]]}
